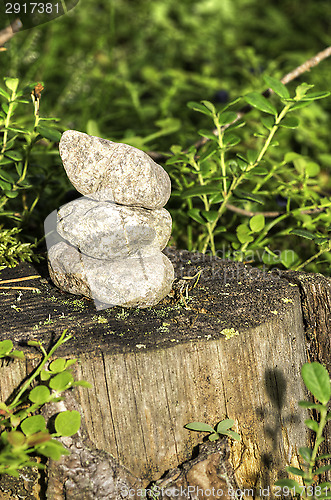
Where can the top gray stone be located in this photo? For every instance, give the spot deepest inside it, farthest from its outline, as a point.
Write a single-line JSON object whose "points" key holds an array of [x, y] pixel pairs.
{"points": [[109, 171]]}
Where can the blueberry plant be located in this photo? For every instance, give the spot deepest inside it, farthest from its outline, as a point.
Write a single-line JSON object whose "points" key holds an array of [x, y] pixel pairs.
{"points": [[24, 432], [231, 194]]}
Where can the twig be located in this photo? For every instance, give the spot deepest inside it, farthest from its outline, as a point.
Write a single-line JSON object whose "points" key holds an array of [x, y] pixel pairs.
{"points": [[8, 32], [20, 279], [306, 66], [19, 288], [242, 211]]}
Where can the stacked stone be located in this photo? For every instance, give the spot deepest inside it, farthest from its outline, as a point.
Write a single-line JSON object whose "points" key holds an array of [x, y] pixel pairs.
{"points": [[112, 238]]}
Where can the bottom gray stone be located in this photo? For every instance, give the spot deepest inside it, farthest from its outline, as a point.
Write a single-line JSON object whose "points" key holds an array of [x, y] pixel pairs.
{"points": [[139, 281]]}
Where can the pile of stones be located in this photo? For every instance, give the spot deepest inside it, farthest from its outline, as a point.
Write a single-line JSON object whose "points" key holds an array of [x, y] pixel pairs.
{"points": [[109, 242]]}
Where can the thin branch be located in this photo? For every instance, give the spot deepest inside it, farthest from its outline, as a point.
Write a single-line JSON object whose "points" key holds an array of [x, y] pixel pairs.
{"points": [[306, 66], [19, 288], [8, 32], [248, 213], [20, 279]]}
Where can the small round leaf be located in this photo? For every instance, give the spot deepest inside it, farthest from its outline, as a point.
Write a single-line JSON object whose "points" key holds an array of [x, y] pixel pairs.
{"points": [[33, 424], [39, 394], [67, 423]]}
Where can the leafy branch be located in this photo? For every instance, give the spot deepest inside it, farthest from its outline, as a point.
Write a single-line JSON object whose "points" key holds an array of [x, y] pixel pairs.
{"points": [[24, 435]]}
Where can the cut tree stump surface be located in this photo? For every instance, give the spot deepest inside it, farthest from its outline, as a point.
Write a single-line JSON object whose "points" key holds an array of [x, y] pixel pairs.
{"points": [[227, 342], [225, 295]]}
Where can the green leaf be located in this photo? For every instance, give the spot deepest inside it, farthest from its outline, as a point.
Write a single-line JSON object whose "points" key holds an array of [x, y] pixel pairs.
{"points": [[194, 213], [312, 169], [44, 375], [302, 90], [5, 186], [16, 439], [53, 449], [305, 453], [257, 223], [231, 140], [258, 101], [49, 133], [17, 354], [39, 394], [252, 156], [317, 381], [232, 434], [199, 107], [210, 215], [6, 177], [4, 94], [61, 381], [226, 117], [303, 233], [19, 130], [33, 424], [5, 161], [200, 190], [312, 406], [214, 436], [11, 194], [277, 86], [295, 470], [313, 96], [209, 106], [224, 425], [67, 423], [11, 83], [70, 362], [288, 258], [82, 383], [248, 196], [244, 234], [14, 155], [322, 469], [311, 424], [208, 134], [5, 347], [199, 426], [268, 122], [58, 365], [290, 122], [290, 483]]}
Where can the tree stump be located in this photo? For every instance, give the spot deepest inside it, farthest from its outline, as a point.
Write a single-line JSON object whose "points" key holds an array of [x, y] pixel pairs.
{"points": [[227, 342]]}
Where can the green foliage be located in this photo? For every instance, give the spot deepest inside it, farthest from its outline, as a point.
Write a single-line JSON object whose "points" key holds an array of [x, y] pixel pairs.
{"points": [[317, 381], [224, 182], [222, 428], [26, 149], [24, 435], [13, 251]]}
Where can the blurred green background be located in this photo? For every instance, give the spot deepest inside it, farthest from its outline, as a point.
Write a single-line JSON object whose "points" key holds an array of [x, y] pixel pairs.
{"points": [[130, 67], [125, 71]]}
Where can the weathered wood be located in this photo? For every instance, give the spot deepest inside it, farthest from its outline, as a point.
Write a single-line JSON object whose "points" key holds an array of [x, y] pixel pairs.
{"points": [[154, 370]]}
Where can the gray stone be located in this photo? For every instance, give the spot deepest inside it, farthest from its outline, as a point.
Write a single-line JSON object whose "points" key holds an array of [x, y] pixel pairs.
{"points": [[104, 230], [131, 282], [110, 171]]}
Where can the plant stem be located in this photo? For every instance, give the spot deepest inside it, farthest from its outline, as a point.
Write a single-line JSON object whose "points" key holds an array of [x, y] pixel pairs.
{"points": [[61, 341], [236, 181], [7, 123], [308, 261]]}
